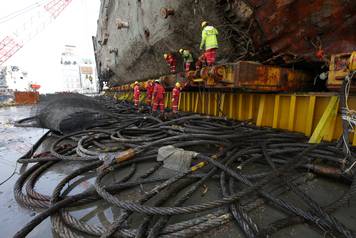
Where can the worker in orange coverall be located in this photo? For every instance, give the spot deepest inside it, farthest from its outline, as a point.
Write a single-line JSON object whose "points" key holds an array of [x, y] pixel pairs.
{"points": [[175, 97], [136, 95], [158, 96], [171, 61], [149, 92]]}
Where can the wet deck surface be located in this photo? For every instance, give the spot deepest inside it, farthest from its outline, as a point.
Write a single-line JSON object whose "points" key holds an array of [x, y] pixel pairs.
{"points": [[15, 142]]}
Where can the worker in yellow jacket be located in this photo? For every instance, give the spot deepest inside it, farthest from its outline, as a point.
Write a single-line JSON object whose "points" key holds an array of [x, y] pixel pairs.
{"points": [[210, 42]]}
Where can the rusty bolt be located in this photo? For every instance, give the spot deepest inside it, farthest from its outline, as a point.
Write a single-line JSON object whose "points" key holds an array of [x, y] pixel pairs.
{"points": [[166, 12]]}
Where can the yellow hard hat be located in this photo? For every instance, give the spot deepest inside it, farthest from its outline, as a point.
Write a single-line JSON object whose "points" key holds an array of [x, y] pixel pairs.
{"points": [[165, 56], [177, 84], [204, 23], [352, 61], [181, 51]]}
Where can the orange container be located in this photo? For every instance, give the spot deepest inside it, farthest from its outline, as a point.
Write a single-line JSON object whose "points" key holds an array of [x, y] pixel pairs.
{"points": [[26, 97]]}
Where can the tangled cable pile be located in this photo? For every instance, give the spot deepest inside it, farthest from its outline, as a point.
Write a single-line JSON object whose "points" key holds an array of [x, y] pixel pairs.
{"points": [[246, 167]]}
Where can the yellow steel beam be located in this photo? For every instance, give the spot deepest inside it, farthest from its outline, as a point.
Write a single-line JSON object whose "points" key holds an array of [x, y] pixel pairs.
{"points": [[222, 105], [215, 104], [329, 113], [261, 110], [291, 119], [329, 132], [276, 112], [250, 107], [239, 116], [231, 108], [203, 103], [209, 103], [310, 116], [170, 99], [196, 102], [179, 100], [188, 101], [192, 102]]}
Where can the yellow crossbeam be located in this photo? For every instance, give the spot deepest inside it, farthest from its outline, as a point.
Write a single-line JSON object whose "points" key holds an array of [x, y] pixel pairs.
{"points": [[329, 113]]}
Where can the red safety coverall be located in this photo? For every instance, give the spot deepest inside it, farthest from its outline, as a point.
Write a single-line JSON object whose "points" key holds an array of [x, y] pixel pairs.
{"points": [[210, 56], [149, 92], [136, 95], [172, 63], [158, 97], [175, 99]]}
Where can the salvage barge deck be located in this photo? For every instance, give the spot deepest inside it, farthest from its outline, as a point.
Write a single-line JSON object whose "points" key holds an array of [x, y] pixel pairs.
{"points": [[251, 146]]}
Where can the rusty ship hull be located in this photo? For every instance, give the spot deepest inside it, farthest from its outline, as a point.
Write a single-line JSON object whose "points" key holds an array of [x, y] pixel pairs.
{"points": [[132, 36]]}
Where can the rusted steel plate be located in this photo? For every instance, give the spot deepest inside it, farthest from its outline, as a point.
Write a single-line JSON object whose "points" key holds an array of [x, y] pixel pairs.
{"points": [[253, 76], [300, 27]]}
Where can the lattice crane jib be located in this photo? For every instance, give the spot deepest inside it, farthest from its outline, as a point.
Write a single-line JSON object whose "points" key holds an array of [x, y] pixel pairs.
{"points": [[30, 27]]}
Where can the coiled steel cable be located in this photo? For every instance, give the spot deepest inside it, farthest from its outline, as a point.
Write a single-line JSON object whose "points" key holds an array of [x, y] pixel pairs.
{"points": [[226, 148]]}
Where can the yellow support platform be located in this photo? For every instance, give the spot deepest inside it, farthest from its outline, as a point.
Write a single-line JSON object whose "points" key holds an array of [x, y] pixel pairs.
{"points": [[313, 114]]}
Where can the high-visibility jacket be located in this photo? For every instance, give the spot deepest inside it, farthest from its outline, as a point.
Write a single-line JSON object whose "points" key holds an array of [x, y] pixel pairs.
{"points": [[209, 38], [137, 92], [187, 56], [158, 92]]}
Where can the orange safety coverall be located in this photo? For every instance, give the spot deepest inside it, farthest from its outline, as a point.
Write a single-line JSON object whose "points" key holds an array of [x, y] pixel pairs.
{"points": [[136, 95], [175, 99], [149, 92], [172, 63], [158, 97]]}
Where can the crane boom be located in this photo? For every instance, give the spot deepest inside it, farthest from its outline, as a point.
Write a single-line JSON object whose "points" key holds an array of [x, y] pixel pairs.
{"points": [[8, 47], [12, 43], [55, 7]]}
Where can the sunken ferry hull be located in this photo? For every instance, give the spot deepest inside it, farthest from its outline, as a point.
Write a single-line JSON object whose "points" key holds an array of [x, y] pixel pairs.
{"points": [[132, 35]]}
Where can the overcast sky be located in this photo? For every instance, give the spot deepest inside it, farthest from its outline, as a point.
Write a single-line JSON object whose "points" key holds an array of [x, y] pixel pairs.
{"points": [[40, 57]]}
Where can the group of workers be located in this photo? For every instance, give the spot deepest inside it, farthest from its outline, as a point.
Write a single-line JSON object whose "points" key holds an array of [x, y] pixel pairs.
{"points": [[209, 43], [155, 92], [155, 96]]}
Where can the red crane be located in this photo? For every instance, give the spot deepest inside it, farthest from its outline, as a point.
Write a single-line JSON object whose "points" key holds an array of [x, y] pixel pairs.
{"points": [[12, 43]]}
